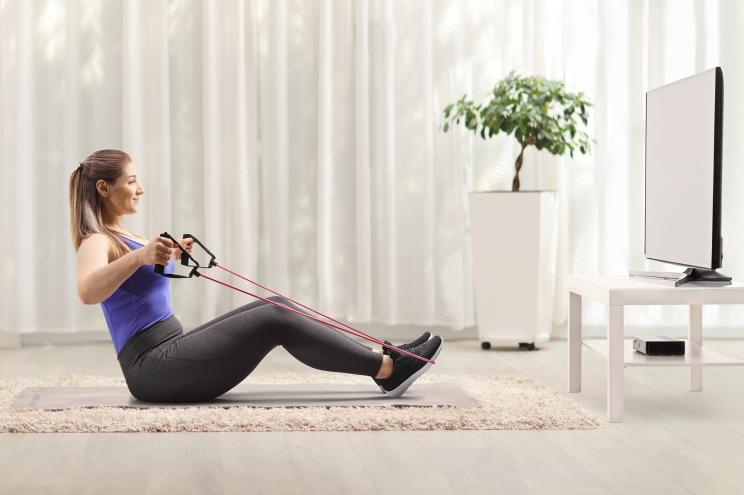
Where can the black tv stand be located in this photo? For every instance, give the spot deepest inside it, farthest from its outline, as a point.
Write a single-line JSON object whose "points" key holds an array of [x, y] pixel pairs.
{"points": [[701, 276], [704, 275]]}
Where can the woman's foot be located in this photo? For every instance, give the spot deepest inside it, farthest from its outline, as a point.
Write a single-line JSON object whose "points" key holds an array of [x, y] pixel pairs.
{"points": [[407, 369], [387, 363]]}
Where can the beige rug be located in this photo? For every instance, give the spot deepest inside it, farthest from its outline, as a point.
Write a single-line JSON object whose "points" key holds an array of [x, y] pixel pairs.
{"points": [[251, 395], [507, 403]]}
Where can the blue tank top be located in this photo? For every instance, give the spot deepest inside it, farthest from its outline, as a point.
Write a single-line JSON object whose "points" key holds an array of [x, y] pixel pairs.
{"points": [[140, 301]]}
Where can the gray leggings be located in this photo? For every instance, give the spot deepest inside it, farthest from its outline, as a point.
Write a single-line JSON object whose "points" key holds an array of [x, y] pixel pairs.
{"points": [[164, 364]]}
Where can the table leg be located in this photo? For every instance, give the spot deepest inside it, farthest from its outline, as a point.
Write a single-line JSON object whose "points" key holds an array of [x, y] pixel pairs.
{"points": [[615, 363], [695, 334], [574, 342]]}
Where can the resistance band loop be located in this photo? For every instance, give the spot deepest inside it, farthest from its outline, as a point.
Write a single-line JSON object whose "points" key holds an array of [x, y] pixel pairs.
{"points": [[358, 332], [377, 341], [186, 260]]}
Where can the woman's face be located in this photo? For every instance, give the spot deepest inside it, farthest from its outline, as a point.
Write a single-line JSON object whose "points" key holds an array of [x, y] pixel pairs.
{"points": [[125, 193]]}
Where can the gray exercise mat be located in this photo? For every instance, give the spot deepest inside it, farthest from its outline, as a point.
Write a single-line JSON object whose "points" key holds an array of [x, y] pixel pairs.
{"points": [[255, 395]]}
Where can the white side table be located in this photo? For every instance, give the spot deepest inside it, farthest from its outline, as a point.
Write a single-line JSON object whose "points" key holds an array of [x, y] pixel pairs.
{"points": [[618, 291]]}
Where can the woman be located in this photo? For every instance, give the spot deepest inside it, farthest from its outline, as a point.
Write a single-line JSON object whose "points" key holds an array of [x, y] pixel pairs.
{"points": [[161, 362]]}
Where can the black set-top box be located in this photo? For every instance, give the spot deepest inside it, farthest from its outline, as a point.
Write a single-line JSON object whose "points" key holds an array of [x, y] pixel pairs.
{"points": [[659, 346]]}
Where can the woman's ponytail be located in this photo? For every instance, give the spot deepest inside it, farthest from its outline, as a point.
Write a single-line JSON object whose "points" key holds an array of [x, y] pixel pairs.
{"points": [[85, 202]]}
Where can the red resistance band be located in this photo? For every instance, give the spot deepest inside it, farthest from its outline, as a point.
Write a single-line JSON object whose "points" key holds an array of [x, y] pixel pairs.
{"points": [[355, 332]]}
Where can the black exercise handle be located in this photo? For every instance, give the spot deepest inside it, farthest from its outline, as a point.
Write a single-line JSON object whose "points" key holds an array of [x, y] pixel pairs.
{"points": [[160, 269], [212, 261]]}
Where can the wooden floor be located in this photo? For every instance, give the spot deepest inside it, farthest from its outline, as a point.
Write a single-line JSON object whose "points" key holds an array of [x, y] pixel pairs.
{"points": [[672, 441]]}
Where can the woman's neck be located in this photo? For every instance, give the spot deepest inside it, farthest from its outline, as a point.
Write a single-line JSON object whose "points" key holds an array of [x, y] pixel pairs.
{"points": [[117, 227], [111, 220]]}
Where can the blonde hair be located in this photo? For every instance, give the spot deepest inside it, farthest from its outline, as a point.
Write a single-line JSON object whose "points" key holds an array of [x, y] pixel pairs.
{"points": [[85, 201]]}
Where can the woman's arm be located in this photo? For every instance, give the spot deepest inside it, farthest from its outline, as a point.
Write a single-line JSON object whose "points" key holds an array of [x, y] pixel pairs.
{"points": [[97, 279]]}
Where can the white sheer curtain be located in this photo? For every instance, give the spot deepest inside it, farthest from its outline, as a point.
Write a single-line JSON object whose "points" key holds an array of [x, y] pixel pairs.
{"points": [[299, 139]]}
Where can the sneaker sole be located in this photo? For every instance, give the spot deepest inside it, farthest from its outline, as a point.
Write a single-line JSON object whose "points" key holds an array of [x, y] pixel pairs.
{"points": [[401, 389], [427, 340]]}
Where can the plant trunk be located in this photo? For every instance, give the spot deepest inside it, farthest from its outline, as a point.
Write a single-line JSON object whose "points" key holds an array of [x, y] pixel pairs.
{"points": [[517, 168]]}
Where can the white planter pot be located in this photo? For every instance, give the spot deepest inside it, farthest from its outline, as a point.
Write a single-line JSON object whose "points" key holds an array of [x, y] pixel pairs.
{"points": [[514, 239]]}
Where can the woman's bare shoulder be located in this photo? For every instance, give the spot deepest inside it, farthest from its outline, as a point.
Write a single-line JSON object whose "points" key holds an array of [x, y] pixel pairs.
{"points": [[98, 242], [94, 238]]}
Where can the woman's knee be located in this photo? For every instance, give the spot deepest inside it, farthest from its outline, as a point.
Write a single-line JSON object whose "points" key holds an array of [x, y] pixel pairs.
{"points": [[284, 301], [259, 302]]}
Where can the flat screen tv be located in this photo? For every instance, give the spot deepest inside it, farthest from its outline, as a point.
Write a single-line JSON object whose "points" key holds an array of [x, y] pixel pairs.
{"points": [[684, 130]]}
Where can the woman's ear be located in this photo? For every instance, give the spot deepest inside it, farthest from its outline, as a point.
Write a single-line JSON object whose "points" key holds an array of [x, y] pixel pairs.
{"points": [[102, 188]]}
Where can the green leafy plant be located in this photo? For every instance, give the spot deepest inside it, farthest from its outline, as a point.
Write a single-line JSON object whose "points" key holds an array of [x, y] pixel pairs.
{"points": [[536, 111]]}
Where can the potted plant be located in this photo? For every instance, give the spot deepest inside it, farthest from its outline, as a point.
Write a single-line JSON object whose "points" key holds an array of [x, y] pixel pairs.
{"points": [[514, 233]]}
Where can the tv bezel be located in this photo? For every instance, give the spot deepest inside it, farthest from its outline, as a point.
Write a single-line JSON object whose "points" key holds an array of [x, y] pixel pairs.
{"points": [[716, 251]]}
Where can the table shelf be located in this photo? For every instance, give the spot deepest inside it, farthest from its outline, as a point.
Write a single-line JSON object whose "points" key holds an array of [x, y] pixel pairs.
{"points": [[616, 292], [695, 355]]}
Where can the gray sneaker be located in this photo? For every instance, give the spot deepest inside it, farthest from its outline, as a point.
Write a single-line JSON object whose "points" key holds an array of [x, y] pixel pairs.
{"points": [[407, 347], [407, 369]]}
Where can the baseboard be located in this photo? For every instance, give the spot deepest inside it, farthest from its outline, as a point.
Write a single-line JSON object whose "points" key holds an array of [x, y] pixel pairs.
{"points": [[394, 333], [67, 338], [9, 340]]}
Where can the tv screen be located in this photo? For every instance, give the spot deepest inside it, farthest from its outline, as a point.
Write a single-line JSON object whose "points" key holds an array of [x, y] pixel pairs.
{"points": [[683, 171]]}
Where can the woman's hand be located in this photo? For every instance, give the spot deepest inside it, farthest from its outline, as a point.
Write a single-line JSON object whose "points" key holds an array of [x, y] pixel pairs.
{"points": [[157, 252], [186, 243]]}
